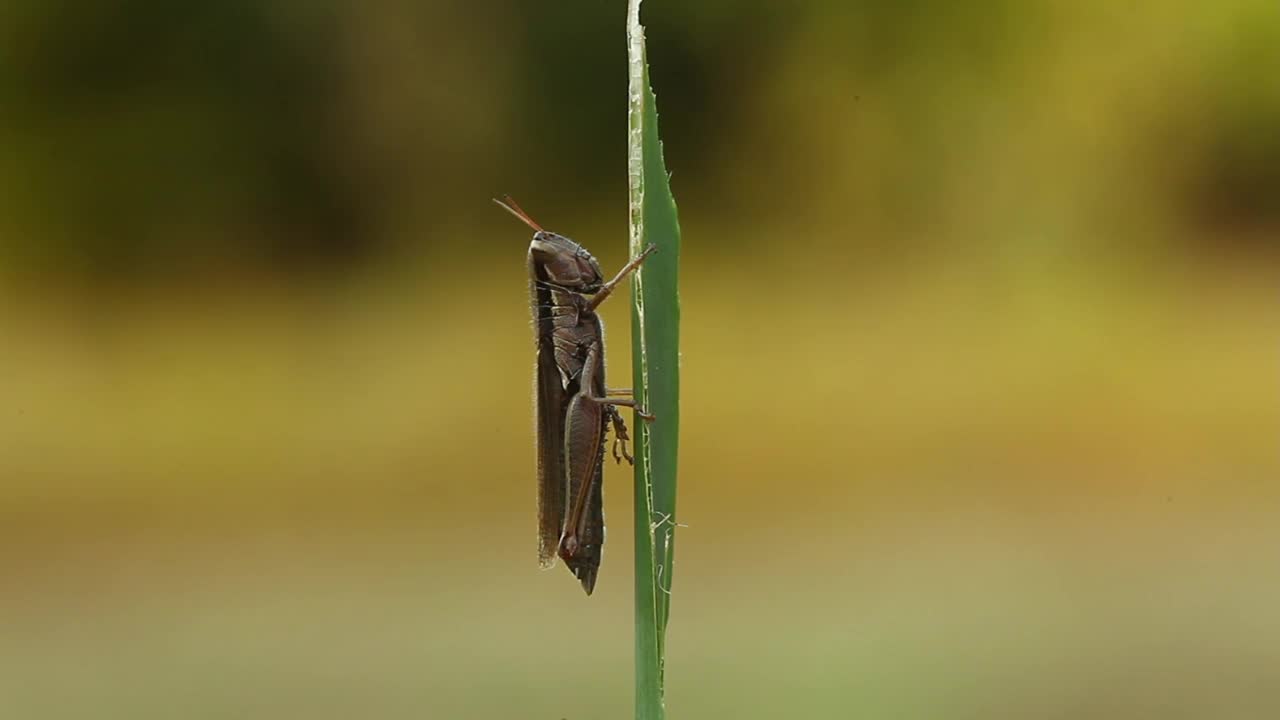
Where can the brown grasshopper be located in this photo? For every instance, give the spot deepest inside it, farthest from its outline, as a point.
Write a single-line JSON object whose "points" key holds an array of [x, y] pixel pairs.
{"points": [[574, 409]]}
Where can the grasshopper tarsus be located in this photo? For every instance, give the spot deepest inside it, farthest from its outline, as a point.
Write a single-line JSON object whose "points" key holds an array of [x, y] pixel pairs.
{"points": [[620, 437], [624, 455], [620, 443]]}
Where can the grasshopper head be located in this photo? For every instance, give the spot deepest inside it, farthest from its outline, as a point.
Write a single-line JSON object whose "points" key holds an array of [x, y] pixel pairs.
{"points": [[564, 262], [557, 259]]}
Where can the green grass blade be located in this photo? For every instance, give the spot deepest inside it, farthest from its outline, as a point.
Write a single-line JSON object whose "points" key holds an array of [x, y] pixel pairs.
{"points": [[655, 346]]}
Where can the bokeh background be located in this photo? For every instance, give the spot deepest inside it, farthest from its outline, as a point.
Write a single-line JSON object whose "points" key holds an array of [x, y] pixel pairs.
{"points": [[980, 357]]}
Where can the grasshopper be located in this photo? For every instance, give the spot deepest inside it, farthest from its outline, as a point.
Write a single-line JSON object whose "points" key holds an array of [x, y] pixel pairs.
{"points": [[574, 408]]}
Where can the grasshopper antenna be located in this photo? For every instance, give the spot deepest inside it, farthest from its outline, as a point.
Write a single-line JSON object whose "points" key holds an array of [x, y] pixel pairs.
{"points": [[506, 203]]}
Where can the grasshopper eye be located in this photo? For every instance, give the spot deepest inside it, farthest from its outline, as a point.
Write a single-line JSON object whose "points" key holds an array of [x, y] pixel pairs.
{"points": [[589, 272]]}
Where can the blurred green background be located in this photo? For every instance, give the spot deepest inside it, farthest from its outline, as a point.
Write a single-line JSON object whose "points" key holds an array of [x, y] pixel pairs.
{"points": [[980, 357]]}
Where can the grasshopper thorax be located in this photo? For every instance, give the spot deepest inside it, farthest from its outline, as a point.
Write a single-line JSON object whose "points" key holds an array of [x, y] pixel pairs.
{"points": [[563, 262]]}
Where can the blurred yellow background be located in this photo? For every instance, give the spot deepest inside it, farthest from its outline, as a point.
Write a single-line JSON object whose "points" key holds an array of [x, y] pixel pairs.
{"points": [[979, 358]]}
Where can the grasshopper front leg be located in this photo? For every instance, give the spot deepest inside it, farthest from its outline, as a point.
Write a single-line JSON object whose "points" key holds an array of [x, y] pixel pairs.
{"points": [[607, 289]]}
